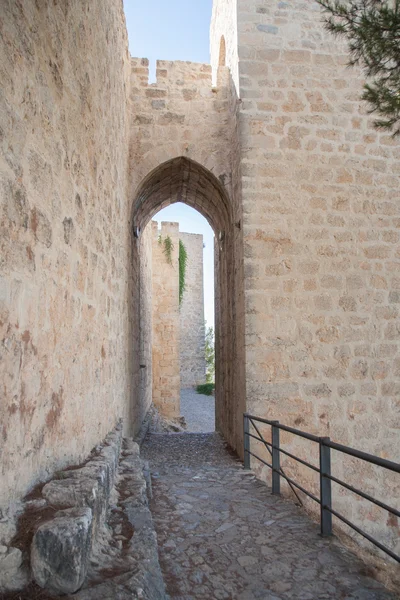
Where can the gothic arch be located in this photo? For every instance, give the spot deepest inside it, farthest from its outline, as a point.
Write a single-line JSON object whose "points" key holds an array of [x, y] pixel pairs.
{"points": [[181, 179]]}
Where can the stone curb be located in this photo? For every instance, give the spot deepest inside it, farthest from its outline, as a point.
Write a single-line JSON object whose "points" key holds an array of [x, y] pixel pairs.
{"points": [[61, 547], [143, 580], [140, 437]]}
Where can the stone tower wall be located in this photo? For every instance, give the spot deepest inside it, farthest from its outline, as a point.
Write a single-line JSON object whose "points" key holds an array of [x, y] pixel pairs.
{"points": [[166, 321], [193, 364], [320, 193], [64, 239]]}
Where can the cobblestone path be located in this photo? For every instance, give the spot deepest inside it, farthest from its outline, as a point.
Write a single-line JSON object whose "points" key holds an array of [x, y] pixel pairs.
{"points": [[198, 410], [222, 535]]}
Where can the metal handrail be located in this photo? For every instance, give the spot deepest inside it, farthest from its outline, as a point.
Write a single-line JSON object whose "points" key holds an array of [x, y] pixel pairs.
{"points": [[324, 470]]}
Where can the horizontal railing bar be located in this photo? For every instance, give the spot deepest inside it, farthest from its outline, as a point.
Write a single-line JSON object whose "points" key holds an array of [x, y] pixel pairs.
{"points": [[375, 460], [327, 443], [258, 438], [308, 436], [364, 495], [260, 459], [303, 462], [307, 493], [364, 534], [288, 479]]}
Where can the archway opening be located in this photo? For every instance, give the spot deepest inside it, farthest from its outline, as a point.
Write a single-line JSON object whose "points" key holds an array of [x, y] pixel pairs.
{"points": [[183, 314], [183, 180]]}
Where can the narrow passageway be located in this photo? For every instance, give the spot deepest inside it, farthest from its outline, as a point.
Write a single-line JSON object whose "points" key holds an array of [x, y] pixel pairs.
{"points": [[198, 411], [222, 535]]}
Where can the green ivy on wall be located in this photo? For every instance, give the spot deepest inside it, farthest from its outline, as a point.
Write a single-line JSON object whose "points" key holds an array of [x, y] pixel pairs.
{"points": [[182, 269], [168, 247]]}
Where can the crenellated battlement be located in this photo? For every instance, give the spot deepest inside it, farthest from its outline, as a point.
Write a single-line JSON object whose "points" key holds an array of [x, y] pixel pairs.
{"points": [[181, 114], [171, 73]]}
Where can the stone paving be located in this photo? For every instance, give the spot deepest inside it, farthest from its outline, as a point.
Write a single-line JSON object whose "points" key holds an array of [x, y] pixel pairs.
{"points": [[222, 535], [198, 410]]}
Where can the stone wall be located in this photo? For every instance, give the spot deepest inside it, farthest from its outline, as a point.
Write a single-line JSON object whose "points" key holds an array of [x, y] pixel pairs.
{"points": [[64, 331], [192, 336], [166, 323], [301, 191], [320, 193], [184, 147], [145, 328], [224, 31]]}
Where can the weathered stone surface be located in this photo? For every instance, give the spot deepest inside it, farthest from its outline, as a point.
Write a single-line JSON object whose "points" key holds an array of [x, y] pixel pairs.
{"points": [[70, 492], [62, 354], [132, 549], [223, 535], [280, 156], [60, 551], [178, 332], [191, 312], [165, 321], [12, 575]]}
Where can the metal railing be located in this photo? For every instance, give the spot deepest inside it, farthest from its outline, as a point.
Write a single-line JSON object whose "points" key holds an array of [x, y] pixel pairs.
{"points": [[324, 471]]}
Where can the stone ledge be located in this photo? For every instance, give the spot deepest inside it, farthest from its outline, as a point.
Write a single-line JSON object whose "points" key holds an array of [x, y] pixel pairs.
{"points": [[62, 545], [104, 545], [141, 577]]}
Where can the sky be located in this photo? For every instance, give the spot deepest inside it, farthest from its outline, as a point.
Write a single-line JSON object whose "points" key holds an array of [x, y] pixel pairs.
{"points": [[169, 30], [176, 30]]}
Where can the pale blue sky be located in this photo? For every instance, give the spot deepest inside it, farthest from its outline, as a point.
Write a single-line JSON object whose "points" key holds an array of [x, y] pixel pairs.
{"points": [[176, 30], [169, 29]]}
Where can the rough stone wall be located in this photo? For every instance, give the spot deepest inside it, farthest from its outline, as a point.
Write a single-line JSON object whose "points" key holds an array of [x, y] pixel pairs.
{"points": [[145, 328], [224, 24], [181, 122], [179, 115], [193, 363], [166, 321], [320, 192], [64, 330]]}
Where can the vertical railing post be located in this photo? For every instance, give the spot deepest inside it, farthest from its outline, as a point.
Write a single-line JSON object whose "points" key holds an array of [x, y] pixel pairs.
{"points": [[276, 460], [246, 441], [325, 486]]}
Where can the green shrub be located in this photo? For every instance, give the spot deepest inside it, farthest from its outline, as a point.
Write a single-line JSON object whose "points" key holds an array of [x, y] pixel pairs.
{"points": [[206, 389]]}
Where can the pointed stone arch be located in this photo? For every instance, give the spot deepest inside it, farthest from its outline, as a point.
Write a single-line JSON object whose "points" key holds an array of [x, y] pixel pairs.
{"points": [[182, 179]]}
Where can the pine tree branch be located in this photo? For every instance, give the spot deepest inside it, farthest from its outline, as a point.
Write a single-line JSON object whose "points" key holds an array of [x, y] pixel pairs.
{"points": [[372, 29]]}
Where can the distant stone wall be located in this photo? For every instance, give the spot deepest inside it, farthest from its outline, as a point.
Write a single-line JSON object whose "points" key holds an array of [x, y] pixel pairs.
{"points": [[193, 364], [166, 323]]}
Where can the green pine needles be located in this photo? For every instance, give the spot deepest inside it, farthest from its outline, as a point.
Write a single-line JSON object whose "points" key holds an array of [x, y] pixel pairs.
{"points": [[182, 269], [372, 29]]}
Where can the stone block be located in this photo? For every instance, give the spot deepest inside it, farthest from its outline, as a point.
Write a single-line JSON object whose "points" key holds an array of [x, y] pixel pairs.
{"points": [[12, 574], [61, 549]]}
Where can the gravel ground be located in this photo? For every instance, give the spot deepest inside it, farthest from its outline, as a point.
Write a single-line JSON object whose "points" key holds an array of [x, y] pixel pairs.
{"points": [[198, 410], [223, 536]]}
